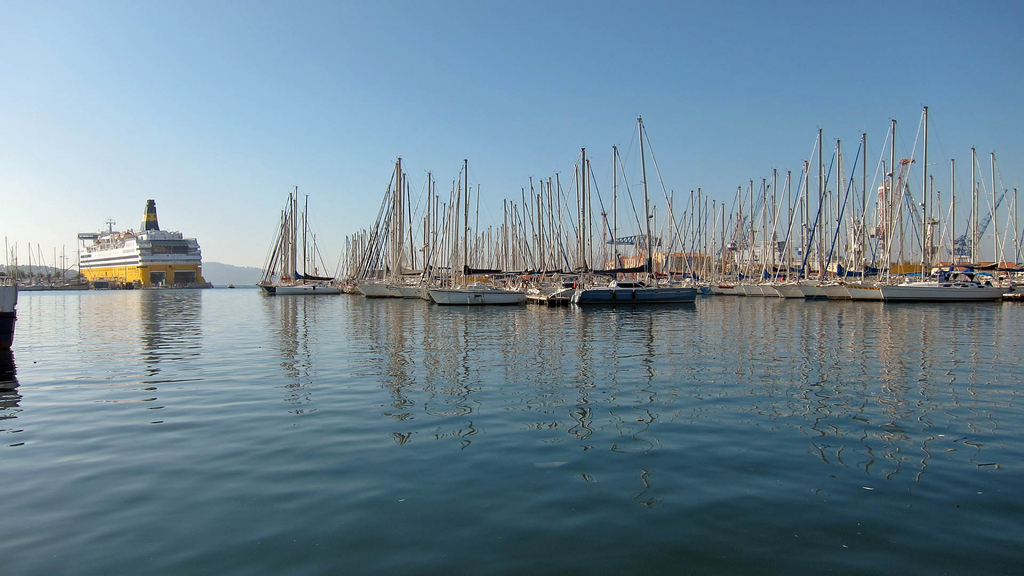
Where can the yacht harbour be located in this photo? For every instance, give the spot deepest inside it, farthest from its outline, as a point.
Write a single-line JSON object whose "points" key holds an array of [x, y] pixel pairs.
{"points": [[511, 288]]}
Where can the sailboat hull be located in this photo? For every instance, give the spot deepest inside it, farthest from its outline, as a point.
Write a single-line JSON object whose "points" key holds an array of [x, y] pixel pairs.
{"points": [[789, 291], [751, 290], [376, 290], [470, 297], [836, 291], [812, 291], [8, 314], [724, 289], [951, 292], [410, 292], [306, 290], [635, 296], [864, 292], [6, 330]]}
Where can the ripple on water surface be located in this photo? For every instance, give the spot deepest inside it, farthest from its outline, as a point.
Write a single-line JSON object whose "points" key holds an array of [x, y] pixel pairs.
{"points": [[220, 431]]}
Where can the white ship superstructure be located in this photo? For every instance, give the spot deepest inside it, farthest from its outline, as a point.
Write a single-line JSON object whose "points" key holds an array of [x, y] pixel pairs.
{"points": [[150, 257]]}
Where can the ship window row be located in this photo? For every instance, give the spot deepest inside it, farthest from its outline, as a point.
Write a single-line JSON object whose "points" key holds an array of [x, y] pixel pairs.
{"points": [[114, 260], [169, 249], [145, 259]]}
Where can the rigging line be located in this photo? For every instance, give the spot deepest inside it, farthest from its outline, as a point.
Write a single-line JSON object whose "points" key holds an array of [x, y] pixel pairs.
{"points": [[632, 202], [374, 237], [528, 210], [794, 209], [789, 234], [600, 203], [1019, 248], [908, 201], [416, 205], [878, 168], [564, 203], [842, 210], [272, 251], [984, 189], [561, 245], [664, 191], [817, 216], [999, 176]]}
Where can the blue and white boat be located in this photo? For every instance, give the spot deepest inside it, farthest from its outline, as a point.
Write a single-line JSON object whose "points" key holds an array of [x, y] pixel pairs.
{"points": [[633, 292]]}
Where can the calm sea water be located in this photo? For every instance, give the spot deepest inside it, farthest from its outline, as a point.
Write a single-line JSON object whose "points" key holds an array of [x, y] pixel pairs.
{"points": [[223, 432]]}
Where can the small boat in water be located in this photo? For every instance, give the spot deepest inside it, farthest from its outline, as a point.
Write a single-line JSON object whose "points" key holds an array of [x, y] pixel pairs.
{"points": [[306, 289], [8, 311], [633, 292], [961, 287]]}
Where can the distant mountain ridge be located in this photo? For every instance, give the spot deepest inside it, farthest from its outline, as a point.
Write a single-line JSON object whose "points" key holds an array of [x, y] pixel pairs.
{"points": [[223, 274]]}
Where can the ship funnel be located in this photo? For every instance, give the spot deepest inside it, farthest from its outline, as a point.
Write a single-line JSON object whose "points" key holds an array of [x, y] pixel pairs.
{"points": [[149, 217]]}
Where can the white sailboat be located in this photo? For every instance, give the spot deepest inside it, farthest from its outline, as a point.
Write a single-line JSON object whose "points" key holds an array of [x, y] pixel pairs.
{"points": [[947, 285], [958, 287], [461, 293], [385, 272], [281, 276], [638, 292], [475, 295]]}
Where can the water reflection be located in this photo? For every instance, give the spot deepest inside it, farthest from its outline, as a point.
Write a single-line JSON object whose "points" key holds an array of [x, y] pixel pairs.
{"points": [[883, 389], [127, 343], [171, 329], [293, 322], [571, 378], [8, 370], [877, 387], [10, 398]]}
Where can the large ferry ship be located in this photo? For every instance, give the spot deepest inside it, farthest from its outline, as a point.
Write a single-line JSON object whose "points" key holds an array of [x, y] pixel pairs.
{"points": [[148, 258]]}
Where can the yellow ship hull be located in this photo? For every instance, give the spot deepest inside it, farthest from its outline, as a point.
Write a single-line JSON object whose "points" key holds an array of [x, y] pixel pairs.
{"points": [[147, 275]]}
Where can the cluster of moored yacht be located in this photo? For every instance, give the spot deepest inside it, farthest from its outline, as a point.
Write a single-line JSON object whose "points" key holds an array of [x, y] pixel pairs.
{"points": [[944, 286], [774, 244]]}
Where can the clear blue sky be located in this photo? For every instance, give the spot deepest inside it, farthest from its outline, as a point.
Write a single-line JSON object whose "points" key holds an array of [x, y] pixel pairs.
{"points": [[216, 109]]}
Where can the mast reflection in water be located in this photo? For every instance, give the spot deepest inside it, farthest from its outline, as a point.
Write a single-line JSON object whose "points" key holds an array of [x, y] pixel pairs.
{"points": [[325, 434]]}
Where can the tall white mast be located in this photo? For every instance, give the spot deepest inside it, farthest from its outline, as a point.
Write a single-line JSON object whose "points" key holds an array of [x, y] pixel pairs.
{"points": [[926, 240], [647, 203], [975, 228], [952, 212], [995, 221]]}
